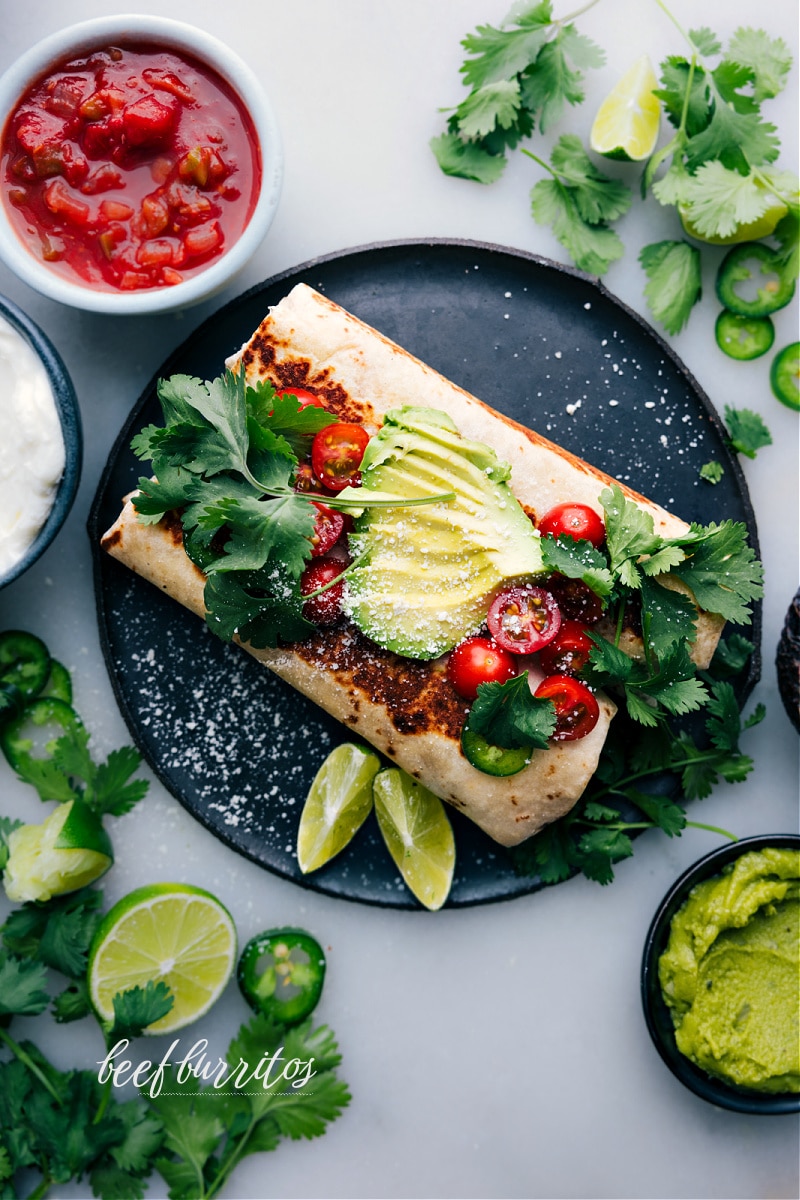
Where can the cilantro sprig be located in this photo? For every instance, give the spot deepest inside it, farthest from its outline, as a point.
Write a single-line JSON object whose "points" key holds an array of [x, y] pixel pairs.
{"points": [[519, 75], [617, 805], [720, 161], [226, 459]]}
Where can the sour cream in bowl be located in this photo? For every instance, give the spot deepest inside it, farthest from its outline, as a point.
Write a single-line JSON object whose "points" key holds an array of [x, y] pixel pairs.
{"points": [[40, 442]]}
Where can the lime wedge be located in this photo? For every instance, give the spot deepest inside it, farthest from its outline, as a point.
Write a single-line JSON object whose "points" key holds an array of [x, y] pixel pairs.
{"points": [[627, 122], [69, 850], [338, 803], [418, 835], [169, 931]]}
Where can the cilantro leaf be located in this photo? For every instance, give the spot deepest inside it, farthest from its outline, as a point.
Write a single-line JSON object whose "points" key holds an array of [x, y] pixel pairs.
{"points": [[489, 106], [712, 471], [467, 160], [674, 281], [593, 248], [600, 848], [577, 560], [174, 488], [113, 791], [57, 933], [722, 571], [706, 41], [7, 827], [663, 812], [262, 532], [676, 92], [551, 83], [137, 1007], [747, 430], [717, 199], [597, 196], [73, 1003], [668, 616], [630, 533], [509, 715], [22, 986], [768, 59], [730, 656], [503, 53], [738, 140], [259, 619]]}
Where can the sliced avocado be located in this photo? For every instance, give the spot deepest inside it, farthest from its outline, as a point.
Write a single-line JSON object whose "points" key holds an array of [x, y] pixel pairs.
{"points": [[429, 573]]}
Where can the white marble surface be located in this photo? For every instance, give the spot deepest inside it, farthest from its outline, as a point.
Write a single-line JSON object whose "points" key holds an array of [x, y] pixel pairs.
{"points": [[497, 1051]]}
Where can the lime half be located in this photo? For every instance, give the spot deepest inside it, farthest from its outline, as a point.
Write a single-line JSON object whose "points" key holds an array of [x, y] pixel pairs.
{"points": [[627, 122], [418, 834], [69, 850], [166, 931], [338, 803]]}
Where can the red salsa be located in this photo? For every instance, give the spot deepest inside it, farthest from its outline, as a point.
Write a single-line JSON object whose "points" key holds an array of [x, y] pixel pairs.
{"points": [[131, 167]]}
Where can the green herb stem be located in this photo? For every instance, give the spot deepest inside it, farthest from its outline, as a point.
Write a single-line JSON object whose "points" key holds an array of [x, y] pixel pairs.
{"points": [[712, 829], [541, 162], [26, 1059], [618, 787], [228, 1163], [42, 1188]]}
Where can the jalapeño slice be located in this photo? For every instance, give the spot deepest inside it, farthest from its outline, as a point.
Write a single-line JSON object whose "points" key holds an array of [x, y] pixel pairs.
{"points": [[753, 265], [784, 375], [46, 718], [743, 338], [493, 760], [281, 973], [24, 661]]}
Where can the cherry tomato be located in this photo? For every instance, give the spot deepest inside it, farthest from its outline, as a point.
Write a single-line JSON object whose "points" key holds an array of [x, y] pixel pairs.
{"points": [[326, 608], [305, 398], [305, 480], [523, 619], [568, 652], [576, 601], [336, 455], [328, 528], [479, 660], [576, 521], [577, 710]]}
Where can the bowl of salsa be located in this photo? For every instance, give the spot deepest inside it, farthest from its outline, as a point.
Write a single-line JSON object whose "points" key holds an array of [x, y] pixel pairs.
{"points": [[140, 165]]}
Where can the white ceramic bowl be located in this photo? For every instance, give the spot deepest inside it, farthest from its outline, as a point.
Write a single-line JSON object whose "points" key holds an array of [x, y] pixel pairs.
{"points": [[177, 36]]}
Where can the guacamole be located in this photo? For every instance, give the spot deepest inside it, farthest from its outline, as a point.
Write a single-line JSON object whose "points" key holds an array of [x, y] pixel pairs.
{"points": [[731, 972]]}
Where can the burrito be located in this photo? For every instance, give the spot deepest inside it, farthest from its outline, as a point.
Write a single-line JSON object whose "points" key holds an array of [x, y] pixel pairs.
{"points": [[404, 704]]}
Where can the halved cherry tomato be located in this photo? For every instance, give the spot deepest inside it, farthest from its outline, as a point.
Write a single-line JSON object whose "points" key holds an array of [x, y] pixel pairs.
{"points": [[576, 521], [577, 710], [523, 619], [569, 652], [303, 396], [336, 455], [479, 660], [326, 608], [305, 480], [328, 528], [576, 601]]}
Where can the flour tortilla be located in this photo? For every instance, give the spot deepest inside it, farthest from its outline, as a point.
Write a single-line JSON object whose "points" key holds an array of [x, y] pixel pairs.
{"points": [[406, 709]]}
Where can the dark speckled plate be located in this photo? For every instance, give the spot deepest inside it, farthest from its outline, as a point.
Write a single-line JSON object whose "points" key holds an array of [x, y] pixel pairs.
{"points": [[543, 344]]}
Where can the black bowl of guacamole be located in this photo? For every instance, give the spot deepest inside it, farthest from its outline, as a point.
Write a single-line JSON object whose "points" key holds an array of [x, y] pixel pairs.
{"points": [[720, 981]]}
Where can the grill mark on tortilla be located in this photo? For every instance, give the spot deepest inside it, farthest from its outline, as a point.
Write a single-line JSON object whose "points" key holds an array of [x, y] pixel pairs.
{"points": [[288, 370], [416, 699]]}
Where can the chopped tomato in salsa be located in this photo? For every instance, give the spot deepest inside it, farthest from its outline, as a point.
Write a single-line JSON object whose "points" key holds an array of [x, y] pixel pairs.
{"points": [[132, 167]]}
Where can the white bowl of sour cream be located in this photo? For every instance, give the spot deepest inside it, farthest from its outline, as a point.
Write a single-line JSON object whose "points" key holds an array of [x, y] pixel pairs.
{"points": [[40, 442]]}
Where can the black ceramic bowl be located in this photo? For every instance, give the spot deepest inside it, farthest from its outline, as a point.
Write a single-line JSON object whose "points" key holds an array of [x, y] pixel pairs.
{"points": [[70, 418], [657, 1014]]}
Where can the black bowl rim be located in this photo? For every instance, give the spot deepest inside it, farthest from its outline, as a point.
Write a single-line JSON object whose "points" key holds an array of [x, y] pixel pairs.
{"points": [[656, 1013], [69, 416]]}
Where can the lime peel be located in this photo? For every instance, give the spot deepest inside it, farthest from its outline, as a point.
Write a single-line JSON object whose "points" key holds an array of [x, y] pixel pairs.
{"points": [[67, 851]]}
